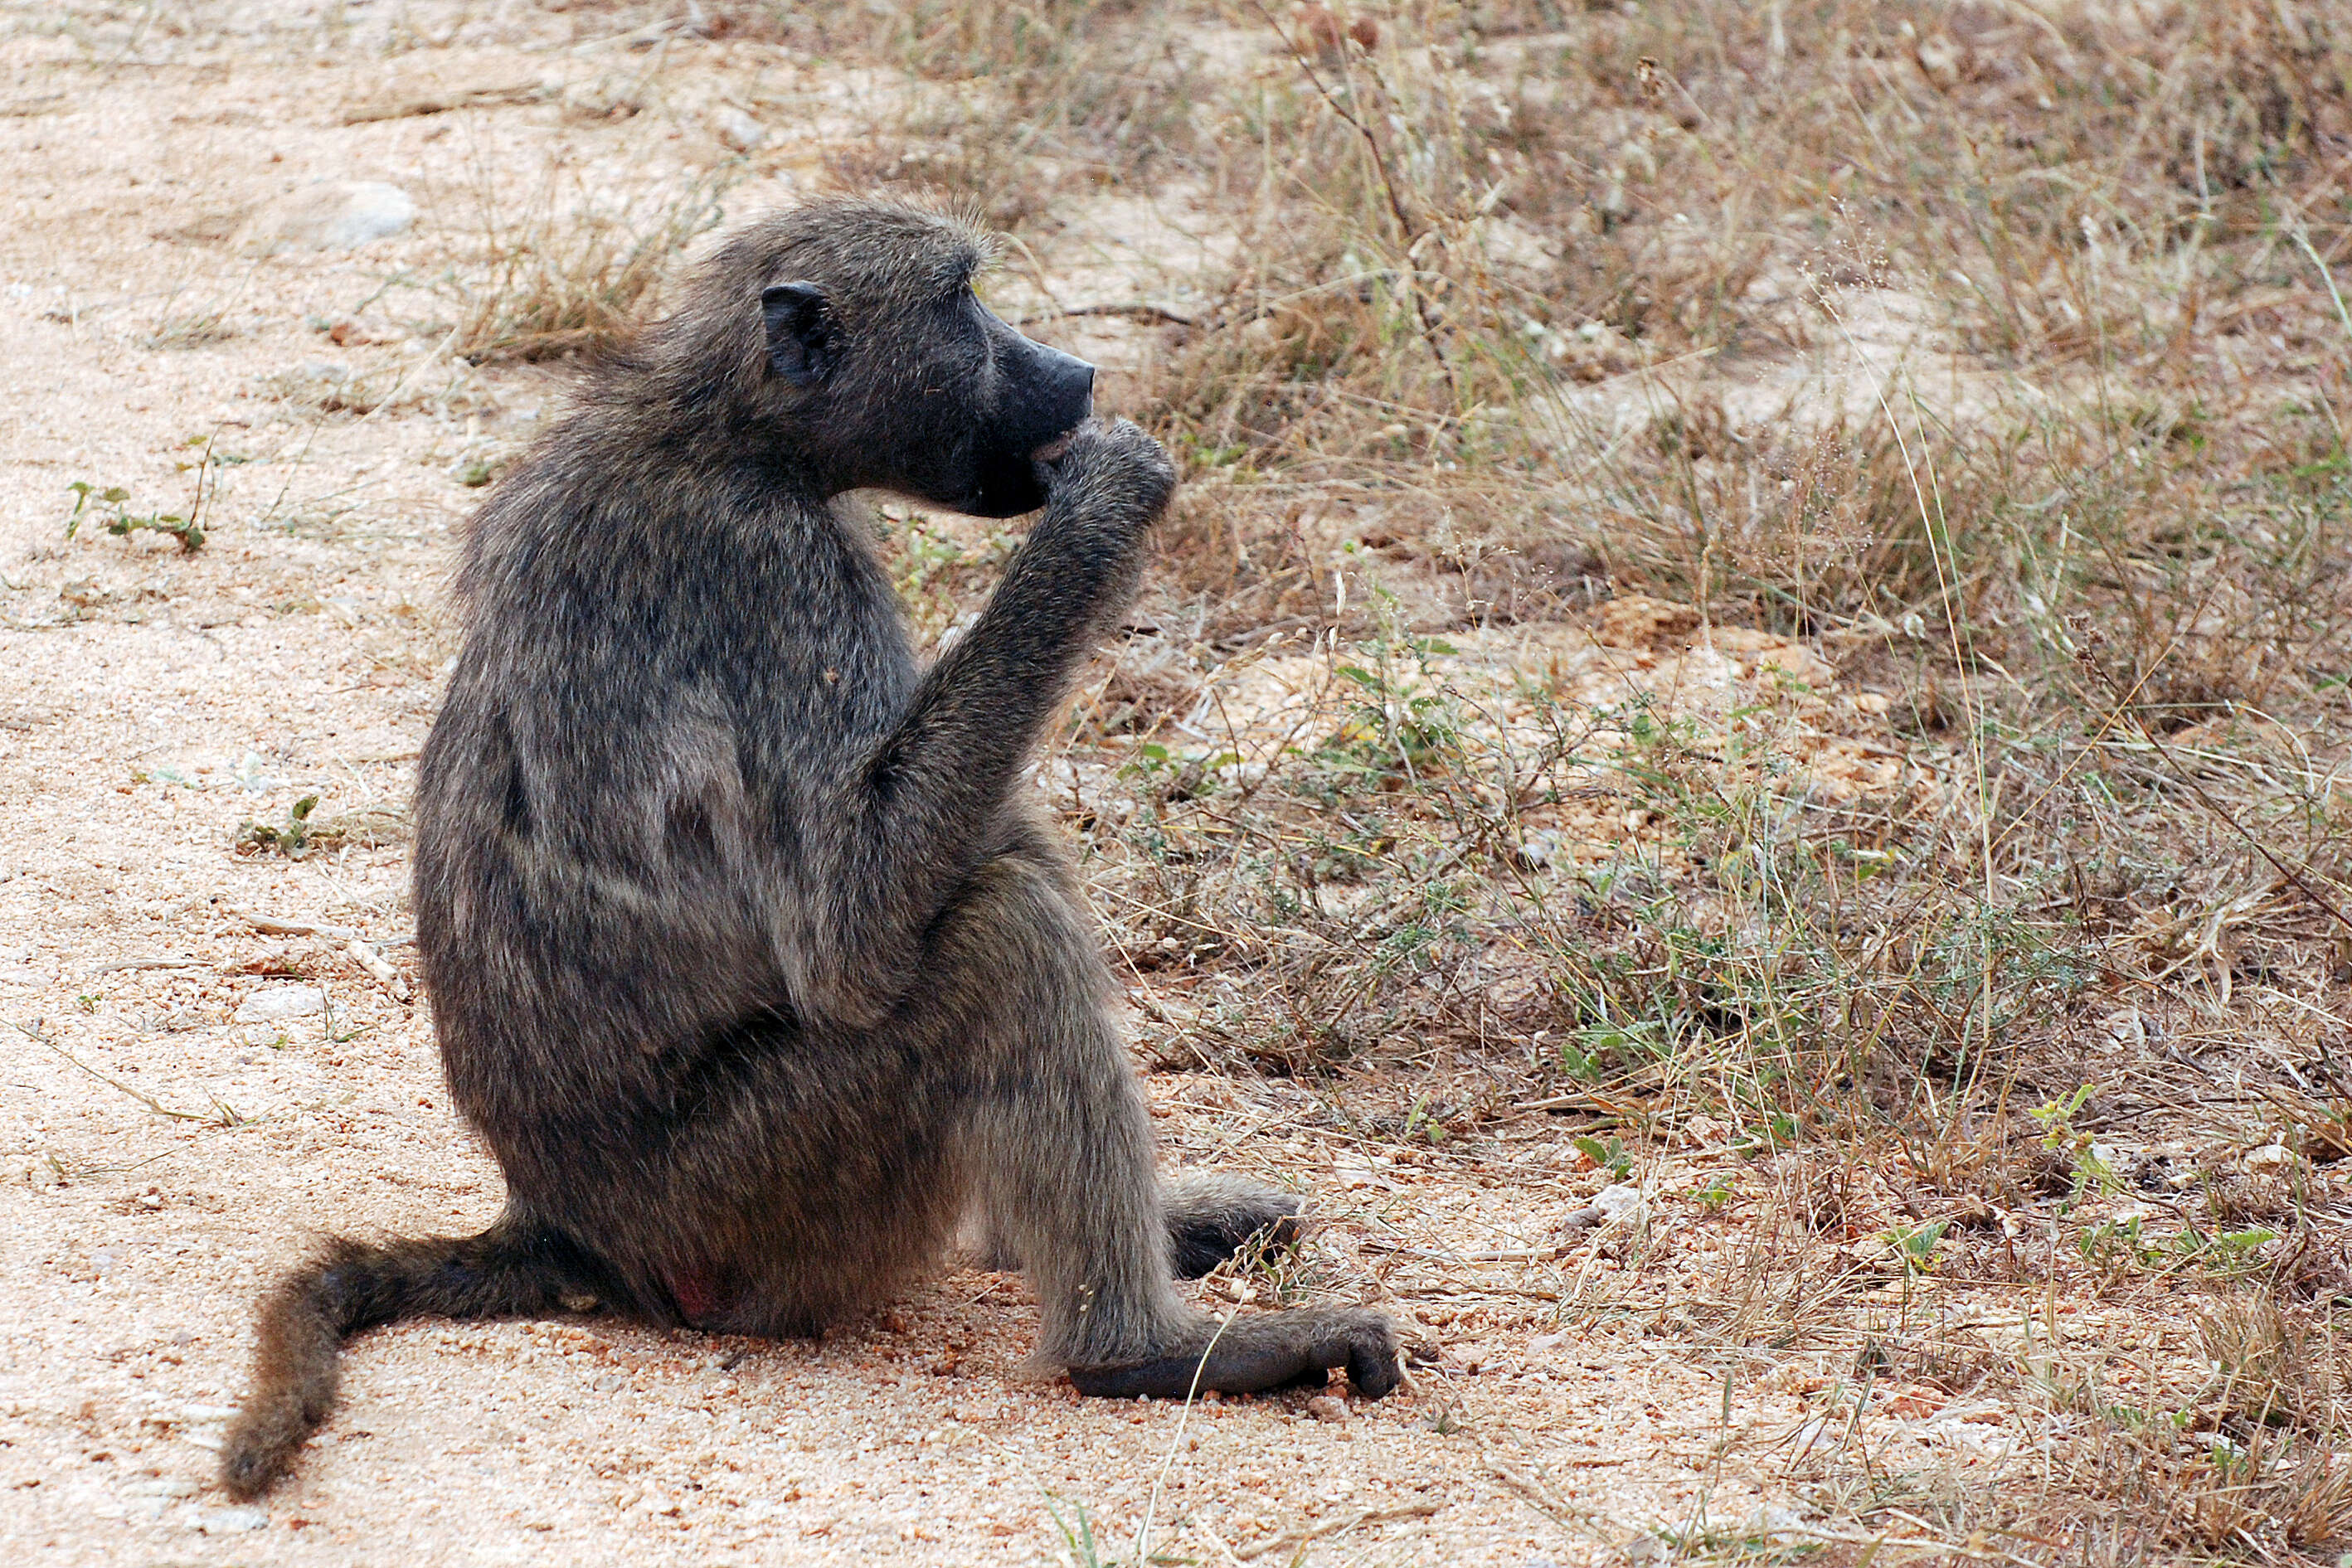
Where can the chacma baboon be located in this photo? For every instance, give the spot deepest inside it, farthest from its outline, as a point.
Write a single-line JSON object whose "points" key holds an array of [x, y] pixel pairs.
{"points": [[747, 960]]}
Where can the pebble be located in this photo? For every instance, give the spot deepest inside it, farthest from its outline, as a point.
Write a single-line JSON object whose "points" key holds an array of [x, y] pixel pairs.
{"points": [[736, 129], [333, 214], [1538, 848], [275, 1004], [164, 1486], [1328, 1407], [231, 1521], [1620, 1202], [1777, 1523]]}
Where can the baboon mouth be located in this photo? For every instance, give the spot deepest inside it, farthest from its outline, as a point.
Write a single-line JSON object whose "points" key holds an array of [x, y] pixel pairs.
{"points": [[1054, 448]]}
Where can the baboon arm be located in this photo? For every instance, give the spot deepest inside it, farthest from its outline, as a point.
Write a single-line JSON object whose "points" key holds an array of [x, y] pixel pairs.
{"points": [[928, 794]]}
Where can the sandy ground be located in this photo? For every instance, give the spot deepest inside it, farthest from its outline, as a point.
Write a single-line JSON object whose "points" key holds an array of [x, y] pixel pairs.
{"points": [[159, 1158]]}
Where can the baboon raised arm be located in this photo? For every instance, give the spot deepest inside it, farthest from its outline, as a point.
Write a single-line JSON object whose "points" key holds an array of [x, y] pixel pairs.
{"points": [[917, 813], [749, 958]]}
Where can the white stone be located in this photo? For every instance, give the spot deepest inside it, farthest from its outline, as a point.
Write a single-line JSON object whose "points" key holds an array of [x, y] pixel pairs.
{"points": [[231, 1521], [1622, 1202], [333, 214], [162, 1486], [736, 129], [275, 1004]]}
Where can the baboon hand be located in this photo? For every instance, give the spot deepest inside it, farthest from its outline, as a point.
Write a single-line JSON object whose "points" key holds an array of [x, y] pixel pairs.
{"points": [[1109, 469], [1269, 1350]]}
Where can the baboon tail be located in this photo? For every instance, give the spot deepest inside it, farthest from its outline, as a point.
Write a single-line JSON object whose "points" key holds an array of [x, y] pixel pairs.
{"points": [[512, 1269]]}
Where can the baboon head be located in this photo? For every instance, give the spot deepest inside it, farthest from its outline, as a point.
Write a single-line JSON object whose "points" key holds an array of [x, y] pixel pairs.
{"points": [[850, 332]]}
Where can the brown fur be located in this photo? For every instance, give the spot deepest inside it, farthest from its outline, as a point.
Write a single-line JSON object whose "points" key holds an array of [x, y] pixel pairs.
{"points": [[746, 956]]}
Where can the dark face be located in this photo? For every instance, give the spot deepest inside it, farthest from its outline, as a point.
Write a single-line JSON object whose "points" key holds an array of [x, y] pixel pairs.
{"points": [[950, 404]]}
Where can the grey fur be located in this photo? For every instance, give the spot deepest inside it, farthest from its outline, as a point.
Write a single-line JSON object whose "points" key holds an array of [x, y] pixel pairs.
{"points": [[748, 959]]}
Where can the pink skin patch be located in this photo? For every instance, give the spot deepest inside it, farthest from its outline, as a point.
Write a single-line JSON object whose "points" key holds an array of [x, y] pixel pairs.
{"points": [[697, 1293]]}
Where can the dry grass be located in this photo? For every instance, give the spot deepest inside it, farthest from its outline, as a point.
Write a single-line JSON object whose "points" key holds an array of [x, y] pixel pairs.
{"points": [[1992, 353], [569, 268]]}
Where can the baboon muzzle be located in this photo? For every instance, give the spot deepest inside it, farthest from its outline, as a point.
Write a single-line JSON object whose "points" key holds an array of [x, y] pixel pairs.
{"points": [[1046, 395], [1068, 398]]}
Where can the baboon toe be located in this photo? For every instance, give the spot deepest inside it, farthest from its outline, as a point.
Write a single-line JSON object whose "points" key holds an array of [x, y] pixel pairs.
{"points": [[1210, 1218], [1374, 1365], [1253, 1354]]}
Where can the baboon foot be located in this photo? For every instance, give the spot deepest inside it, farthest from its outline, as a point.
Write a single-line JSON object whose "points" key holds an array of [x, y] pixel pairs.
{"points": [[1212, 1216], [1261, 1352]]}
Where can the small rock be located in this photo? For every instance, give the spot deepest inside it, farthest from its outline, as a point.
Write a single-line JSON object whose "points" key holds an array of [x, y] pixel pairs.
{"points": [[164, 1486], [606, 97], [275, 1004], [736, 129], [208, 1413], [231, 1521], [1622, 1202], [1328, 1407], [2269, 1159], [1941, 59], [333, 214], [1538, 848]]}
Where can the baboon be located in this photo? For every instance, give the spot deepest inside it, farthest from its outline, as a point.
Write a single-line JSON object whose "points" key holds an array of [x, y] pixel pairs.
{"points": [[750, 959]]}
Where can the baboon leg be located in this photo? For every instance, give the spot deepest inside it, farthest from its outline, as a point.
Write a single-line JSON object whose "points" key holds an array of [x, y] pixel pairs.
{"points": [[1058, 1148], [1056, 1142], [1211, 1215]]}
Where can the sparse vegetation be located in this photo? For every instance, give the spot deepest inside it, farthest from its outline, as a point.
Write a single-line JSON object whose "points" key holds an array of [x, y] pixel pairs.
{"points": [[572, 268], [1968, 380], [303, 834], [110, 514]]}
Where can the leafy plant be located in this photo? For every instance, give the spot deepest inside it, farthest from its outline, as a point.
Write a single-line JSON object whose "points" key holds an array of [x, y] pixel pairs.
{"points": [[110, 514], [292, 838]]}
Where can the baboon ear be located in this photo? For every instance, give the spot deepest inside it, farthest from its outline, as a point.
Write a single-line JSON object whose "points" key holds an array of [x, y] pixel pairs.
{"points": [[803, 338]]}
